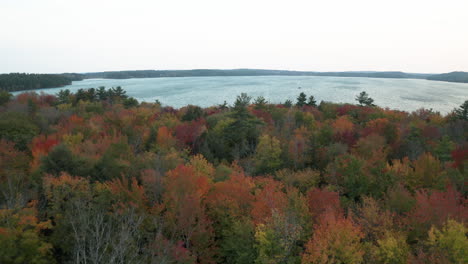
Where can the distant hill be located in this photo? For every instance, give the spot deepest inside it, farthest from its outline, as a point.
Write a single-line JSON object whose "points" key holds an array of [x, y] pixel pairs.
{"points": [[461, 77], [244, 72]]}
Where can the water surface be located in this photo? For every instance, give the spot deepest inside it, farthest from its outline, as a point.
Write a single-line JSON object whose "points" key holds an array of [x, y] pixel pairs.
{"points": [[402, 94]]}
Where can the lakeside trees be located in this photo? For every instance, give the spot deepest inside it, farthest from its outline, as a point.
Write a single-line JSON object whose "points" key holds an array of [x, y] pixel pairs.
{"points": [[91, 177], [22, 81]]}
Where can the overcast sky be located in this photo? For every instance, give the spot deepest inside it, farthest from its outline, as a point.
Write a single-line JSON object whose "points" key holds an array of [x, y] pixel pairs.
{"points": [[328, 35]]}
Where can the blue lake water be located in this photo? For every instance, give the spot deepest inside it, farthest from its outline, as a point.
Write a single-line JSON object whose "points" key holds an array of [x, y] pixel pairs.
{"points": [[402, 94]]}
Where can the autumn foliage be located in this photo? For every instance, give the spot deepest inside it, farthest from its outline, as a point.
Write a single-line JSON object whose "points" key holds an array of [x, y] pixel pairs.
{"points": [[88, 178]]}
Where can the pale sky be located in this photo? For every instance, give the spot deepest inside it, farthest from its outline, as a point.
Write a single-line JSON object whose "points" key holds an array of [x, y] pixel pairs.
{"points": [[49, 36]]}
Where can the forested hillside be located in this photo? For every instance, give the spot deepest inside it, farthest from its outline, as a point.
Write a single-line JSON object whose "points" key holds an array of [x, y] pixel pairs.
{"points": [[461, 77], [96, 177], [23, 81]]}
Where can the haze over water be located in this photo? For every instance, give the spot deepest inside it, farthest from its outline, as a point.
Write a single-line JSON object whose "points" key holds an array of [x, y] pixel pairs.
{"points": [[402, 94]]}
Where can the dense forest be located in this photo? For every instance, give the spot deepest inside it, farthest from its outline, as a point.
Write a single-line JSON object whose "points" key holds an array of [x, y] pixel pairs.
{"points": [[22, 81], [96, 177]]}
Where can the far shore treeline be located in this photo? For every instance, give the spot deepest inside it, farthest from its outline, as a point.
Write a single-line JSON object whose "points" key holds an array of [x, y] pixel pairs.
{"points": [[22, 81]]}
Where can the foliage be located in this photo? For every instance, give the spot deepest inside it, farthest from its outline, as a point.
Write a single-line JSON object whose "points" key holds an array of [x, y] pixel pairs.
{"points": [[451, 240], [21, 239], [267, 155], [121, 182], [335, 240]]}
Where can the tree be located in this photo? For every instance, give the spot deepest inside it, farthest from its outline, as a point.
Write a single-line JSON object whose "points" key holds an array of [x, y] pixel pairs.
{"points": [[276, 240], [321, 201], [14, 176], [95, 223], [335, 240], [462, 111], [312, 101], [192, 113], [64, 96], [118, 92], [130, 102], [61, 159], [4, 97], [21, 239], [444, 149], [234, 135], [392, 249], [451, 241], [301, 99], [364, 99], [18, 128], [268, 199], [267, 155], [237, 245], [260, 102], [348, 172], [287, 103], [184, 198], [241, 103]]}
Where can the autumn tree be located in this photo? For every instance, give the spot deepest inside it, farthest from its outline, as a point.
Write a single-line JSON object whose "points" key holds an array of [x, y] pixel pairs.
{"points": [[267, 155], [229, 204], [335, 240], [392, 249], [434, 208], [14, 176], [451, 241], [276, 240], [184, 199], [21, 236]]}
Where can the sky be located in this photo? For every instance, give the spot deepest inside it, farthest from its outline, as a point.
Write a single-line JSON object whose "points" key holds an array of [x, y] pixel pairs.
{"points": [[53, 36]]}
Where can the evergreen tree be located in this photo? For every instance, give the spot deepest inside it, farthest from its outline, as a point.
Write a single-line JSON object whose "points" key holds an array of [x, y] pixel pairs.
{"points": [[462, 111], [63, 96], [312, 101], [4, 97], [260, 102], [364, 99], [301, 100], [287, 103]]}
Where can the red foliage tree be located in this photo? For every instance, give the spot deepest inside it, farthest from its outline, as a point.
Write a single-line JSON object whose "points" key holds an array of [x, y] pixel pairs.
{"points": [[188, 132], [41, 146], [436, 207], [460, 157], [185, 203], [268, 197], [321, 201]]}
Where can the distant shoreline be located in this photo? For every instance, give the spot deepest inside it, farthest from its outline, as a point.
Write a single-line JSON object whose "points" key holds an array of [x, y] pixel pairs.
{"points": [[14, 82]]}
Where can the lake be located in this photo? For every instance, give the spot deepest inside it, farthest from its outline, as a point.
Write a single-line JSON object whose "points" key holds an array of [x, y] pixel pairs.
{"points": [[402, 94]]}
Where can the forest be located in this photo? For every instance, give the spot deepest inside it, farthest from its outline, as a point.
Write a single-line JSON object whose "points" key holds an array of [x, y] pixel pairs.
{"points": [[23, 81], [98, 177]]}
